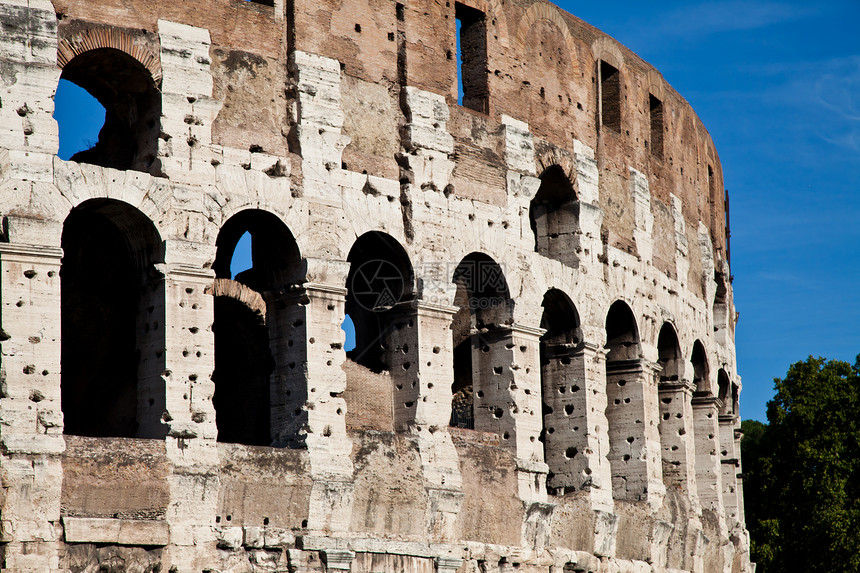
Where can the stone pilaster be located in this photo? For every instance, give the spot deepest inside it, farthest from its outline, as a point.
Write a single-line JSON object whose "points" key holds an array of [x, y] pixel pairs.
{"points": [[31, 419], [634, 439], [677, 437], [709, 483], [187, 108], [29, 136], [730, 464], [419, 356]]}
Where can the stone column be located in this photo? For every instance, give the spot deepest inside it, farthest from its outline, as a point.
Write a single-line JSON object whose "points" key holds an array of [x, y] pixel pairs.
{"points": [[707, 435], [677, 437], [575, 438], [184, 307], [634, 439], [730, 464], [419, 354], [31, 420], [506, 375], [311, 342]]}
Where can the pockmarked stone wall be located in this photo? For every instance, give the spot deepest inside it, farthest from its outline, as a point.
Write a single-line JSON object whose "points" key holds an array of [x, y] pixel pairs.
{"points": [[534, 262]]}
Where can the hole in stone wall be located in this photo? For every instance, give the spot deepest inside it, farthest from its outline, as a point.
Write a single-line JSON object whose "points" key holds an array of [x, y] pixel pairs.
{"points": [[554, 216], [472, 58], [107, 319], [610, 97], [256, 262], [132, 102], [656, 113]]}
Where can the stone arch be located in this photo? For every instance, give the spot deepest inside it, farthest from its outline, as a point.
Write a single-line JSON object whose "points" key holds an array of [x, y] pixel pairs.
{"points": [[545, 11], [563, 394], [125, 79], [554, 217], [481, 324], [606, 49], [380, 278], [96, 38], [701, 369], [254, 312], [669, 354], [112, 321]]}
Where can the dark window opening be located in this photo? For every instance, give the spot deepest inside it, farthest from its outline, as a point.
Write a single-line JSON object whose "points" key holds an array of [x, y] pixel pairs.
{"points": [[656, 107], [485, 311], [132, 102], [554, 217], [472, 78], [110, 326], [720, 306], [669, 354], [254, 344], [610, 97], [263, 2], [380, 277], [727, 393], [701, 372], [622, 336]]}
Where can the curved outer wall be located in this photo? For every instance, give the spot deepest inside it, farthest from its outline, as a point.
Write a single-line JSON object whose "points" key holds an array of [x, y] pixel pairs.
{"points": [[589, 452]]}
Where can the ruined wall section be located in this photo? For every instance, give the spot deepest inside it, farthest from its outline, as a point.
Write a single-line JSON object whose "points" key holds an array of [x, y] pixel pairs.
{"points": [[339, 119]]}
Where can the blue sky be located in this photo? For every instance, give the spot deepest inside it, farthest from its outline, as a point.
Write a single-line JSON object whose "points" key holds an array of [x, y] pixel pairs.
{"points": [[777, 84]]}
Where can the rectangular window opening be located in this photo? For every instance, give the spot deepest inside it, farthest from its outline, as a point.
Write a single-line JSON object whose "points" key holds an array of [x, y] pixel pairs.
{"points": [[656, 126], [270, 3], [610, 97], [472, 85]]}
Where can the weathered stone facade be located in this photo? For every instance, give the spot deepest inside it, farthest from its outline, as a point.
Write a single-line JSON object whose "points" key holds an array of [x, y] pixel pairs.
{"points": [[545, 374]]}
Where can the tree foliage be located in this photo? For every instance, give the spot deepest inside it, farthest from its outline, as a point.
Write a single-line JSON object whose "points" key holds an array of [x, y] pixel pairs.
{"points": [[802, 471]]}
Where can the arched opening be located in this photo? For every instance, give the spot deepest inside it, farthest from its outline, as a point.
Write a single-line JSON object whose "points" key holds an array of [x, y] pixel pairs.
{"points": [[622, 334], [721, 307], [725, 389], [554, 217], [701, 371], [677, 420], [380, 277], [478, 329], [111, 331], [628, 408], [254, 376], [132, 103], [563, 393], [669, 354]]}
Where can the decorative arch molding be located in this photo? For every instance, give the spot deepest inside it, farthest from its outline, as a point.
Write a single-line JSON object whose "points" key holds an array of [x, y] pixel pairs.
{"points": [[95, 38], [606, 49], [546, 11], [550, 156], [237, 291]]}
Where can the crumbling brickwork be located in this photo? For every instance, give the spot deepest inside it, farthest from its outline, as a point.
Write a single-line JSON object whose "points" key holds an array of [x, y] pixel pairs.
{"points": [[544, 377]]}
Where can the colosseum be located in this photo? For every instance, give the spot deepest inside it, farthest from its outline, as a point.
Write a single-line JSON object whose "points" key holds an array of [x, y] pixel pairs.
{"points": [[534, 259]]}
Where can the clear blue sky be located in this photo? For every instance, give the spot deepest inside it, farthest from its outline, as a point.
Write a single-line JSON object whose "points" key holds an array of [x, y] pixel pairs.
{"points": [[777, 84]]}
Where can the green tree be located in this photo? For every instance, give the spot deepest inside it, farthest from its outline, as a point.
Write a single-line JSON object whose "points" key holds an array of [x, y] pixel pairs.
{"points": [[802, 471]]}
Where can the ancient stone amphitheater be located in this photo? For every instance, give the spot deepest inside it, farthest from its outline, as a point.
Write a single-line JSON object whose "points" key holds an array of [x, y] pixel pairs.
{"points": [[544, 376]]}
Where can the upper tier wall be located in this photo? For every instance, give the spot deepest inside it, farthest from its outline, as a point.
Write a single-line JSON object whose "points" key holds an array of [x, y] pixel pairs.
{"points": [[543, 67]]}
